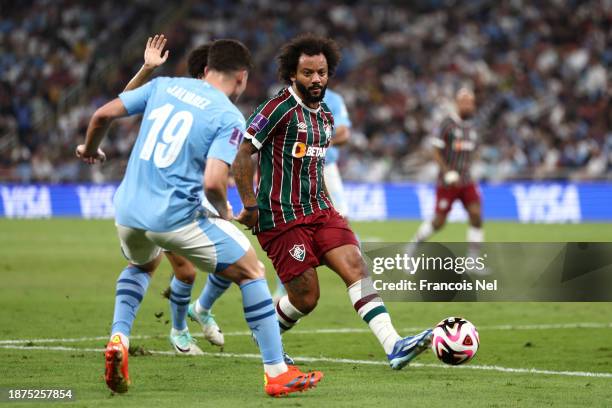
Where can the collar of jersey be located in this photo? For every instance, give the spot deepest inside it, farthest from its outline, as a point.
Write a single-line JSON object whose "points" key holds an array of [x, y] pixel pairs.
{"points": [[297, 98]]}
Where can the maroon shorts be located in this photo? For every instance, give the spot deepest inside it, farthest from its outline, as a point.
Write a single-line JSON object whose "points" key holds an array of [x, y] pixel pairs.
{"points": [[301, 244], [446, 196]]}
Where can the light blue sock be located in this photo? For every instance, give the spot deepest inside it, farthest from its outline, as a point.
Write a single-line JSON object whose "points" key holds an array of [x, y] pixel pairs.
{"points": [[260, 315], [214, 288], [131, 288], [180, 295]]}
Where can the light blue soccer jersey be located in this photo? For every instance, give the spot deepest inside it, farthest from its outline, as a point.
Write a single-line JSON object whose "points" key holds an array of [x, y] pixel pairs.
{"points": [[336, 104], [185, 121]]}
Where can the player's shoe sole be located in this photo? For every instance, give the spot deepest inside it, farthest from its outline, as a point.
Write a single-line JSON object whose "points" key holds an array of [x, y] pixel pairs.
{"points": [[116, 367], [291, 381], [408, 348]]}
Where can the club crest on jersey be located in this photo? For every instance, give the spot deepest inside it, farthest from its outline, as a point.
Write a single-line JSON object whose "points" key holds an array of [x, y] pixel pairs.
{"points": [[328, 130], [301, 149], [298, 252]]}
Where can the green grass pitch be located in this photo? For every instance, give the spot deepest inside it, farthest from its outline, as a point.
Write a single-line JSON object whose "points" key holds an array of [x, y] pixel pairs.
{"points": [[58, 279]]}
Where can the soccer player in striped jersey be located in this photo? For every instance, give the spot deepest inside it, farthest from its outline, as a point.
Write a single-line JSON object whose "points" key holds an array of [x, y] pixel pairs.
{"points": [[331, 173], [291, 213], [454, 148]]}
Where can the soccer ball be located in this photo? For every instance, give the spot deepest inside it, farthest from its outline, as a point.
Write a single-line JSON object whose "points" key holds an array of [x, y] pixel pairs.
{"points": [[455, 340]]}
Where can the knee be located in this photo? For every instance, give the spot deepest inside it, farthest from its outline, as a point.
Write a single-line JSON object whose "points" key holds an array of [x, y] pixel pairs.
{"points": [[306, 302], [185, 272], [438, 223], [251, 271], [357, 266], [476, 220]]}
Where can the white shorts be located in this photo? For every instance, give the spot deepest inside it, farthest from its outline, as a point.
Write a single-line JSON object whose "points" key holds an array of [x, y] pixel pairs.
{"points": [[211, 244], [334, 185]]}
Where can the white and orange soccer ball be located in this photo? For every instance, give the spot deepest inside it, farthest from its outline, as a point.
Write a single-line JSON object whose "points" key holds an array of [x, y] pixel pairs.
{"points": [[455, 340]]}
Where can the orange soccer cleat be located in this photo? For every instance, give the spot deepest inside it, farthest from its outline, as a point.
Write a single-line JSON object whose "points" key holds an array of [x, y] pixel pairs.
{"points": [[292, 380], [116, 374]]}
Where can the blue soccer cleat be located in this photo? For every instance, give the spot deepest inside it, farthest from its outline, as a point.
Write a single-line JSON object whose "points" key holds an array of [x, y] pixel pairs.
{"points": [[406, 349]]}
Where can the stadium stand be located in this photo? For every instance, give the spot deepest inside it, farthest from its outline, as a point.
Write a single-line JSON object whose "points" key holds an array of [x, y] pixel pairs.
{"points": [[541, 75]]}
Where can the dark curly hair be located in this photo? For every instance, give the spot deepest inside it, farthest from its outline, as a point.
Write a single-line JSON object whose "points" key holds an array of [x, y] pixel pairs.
{"points": [[308, 44]]}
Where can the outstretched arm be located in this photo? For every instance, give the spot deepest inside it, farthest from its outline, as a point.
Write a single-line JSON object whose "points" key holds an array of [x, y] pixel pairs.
{"points": [[243, 174], [152, 59], [99, 123]]}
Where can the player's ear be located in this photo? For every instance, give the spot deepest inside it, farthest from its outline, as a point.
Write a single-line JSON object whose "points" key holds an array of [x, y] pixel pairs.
{"points": [[242, 77], [205, 71]]}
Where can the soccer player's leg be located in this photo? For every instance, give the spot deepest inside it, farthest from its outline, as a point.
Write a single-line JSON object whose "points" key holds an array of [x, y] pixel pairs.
{"points": [[132, 284], [217, 246], [201, 310], [179, 295], [445, 196], [471, 199], [341, 253], [294, 261]]}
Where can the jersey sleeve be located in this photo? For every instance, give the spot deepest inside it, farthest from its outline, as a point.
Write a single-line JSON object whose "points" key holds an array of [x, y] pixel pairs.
{"points": [[225, 144], [264, 119], [135, 101], [442, 133]]}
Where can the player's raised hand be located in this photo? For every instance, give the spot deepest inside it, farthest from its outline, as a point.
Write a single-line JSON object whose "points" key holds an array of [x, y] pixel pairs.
{"points": [[153, 57], [98, 156], [248, 218]]}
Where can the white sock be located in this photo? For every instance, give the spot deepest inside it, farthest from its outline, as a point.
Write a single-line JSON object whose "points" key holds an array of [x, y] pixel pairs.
{"points": [[371, 309], [287, 314], [274, 370], [425, 231], [475, 237], [125, 340]]}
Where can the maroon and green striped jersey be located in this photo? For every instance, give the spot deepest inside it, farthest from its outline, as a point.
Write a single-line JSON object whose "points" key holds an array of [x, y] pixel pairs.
{"points": [[457, 141], [292, 140]]}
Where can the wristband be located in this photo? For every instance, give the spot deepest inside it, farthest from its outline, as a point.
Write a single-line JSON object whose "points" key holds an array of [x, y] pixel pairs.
{"points": [[252, 208]]}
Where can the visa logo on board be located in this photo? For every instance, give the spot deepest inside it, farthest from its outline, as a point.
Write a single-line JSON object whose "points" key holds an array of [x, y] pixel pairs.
{"points": [[26, 202], [547, 203], [96, 201]]}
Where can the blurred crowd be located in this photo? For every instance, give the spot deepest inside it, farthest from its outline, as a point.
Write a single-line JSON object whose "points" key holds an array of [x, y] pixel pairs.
{"points": [[540, 71]]}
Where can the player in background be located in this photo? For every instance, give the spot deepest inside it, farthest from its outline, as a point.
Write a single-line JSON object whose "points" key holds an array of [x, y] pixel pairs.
{"points": [[190, 128], [454, 148], [331, 173], [291, 213], [183, 271]]}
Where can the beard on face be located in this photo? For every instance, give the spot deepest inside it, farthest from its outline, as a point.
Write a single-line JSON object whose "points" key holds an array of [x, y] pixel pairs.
{"points": [[307, 92], [465, 115]]}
